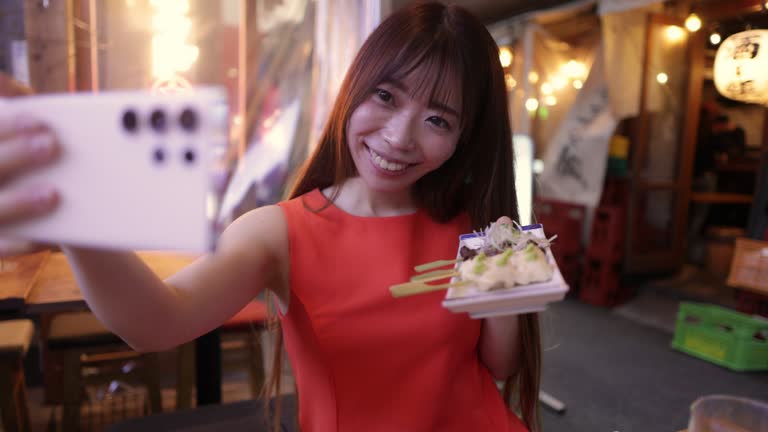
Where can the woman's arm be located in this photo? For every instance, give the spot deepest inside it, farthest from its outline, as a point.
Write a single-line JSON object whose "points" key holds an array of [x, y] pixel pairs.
{"points": [[153, 315], [500, 345]]}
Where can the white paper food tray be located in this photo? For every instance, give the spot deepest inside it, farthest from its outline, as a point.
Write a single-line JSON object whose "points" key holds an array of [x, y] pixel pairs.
{"points": [[507, 301]]}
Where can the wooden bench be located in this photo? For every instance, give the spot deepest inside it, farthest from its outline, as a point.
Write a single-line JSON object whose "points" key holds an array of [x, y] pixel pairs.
{"points": [[77, 340]]}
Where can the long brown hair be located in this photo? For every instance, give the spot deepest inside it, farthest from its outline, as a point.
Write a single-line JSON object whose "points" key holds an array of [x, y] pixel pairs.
{"points": [[443, 45]]}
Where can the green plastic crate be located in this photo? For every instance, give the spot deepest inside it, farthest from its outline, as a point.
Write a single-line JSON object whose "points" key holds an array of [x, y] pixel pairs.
{"points": [[727, 338]]}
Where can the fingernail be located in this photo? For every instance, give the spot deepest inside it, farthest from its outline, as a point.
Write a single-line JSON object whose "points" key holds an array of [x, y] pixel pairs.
{"points": [[23, 124], [42, 198], [41, 146]]}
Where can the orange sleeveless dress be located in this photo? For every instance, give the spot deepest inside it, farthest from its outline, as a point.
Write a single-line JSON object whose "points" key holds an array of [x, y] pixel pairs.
{"points": [[363, 360]]}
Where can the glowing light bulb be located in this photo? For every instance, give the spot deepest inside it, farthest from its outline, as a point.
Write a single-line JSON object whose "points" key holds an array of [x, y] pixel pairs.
{"points": [[559, 82], [505, 56], [693, 23], [715, 38], [510, 81], [533, 77], [574, 69], [674, 33], [546, 88], [550, 100], [577, 84], [662, 78], [531, 104]]}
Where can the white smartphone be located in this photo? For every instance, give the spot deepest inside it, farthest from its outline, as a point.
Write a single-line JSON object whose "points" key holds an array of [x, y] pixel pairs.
{"points": [[138, 170]]}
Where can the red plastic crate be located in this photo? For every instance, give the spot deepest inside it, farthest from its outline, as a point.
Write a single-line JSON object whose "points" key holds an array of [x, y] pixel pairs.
{"points": [[615, 192], [601, 284], [564, 219], [571, 267], [606, 240]]}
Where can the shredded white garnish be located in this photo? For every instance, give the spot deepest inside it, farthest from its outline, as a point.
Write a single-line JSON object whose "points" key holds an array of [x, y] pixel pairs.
{"points": [[502, 236]]}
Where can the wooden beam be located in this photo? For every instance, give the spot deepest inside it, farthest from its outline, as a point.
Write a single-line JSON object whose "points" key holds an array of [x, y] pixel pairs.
{"points": [[725, 9]]}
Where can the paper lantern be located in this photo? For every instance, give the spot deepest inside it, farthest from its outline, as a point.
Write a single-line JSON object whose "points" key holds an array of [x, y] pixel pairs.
{"points": [[741, 67]]}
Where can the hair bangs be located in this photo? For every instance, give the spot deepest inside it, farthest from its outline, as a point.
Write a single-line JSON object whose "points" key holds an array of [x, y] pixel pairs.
{"points": [[435, 69]]}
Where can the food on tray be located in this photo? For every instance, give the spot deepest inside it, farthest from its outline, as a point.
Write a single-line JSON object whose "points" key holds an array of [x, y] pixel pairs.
{"points": [[508, 257]]}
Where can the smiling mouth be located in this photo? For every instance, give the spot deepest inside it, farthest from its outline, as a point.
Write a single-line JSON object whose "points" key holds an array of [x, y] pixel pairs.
{"points": [[383, 163]]}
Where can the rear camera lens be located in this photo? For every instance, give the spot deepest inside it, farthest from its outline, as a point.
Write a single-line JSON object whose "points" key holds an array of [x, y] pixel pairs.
{"points": [[158, 156], [130, 121], [158, 120], [188, 120], [190, 156]]}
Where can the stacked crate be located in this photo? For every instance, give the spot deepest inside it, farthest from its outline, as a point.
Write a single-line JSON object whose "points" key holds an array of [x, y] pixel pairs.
{"points": [[601, 279], [565, 220]]}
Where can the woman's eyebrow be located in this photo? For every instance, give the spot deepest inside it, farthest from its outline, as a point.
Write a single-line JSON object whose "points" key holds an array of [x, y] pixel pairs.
{"points": [[435, 105]]}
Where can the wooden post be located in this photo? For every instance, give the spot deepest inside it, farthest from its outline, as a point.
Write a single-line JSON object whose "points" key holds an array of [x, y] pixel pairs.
{"points": [[48, 45]]}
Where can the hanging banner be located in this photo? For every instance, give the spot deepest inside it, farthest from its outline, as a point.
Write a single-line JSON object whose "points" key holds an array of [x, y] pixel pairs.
{"points": [[575, 159]]}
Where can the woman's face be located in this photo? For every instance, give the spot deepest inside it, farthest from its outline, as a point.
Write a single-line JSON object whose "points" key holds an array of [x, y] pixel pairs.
{"points": [[395, 139]]}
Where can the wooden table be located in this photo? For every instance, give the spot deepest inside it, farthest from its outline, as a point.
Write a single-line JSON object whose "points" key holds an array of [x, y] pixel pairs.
{"points": [[56, 289], [46, 284]]}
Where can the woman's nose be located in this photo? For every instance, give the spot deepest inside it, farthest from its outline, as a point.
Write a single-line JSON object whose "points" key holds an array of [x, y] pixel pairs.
{"points": [[399, 131]]}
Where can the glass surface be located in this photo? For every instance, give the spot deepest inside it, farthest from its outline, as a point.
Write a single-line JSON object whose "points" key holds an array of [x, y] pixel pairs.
{"points": [[728, 414]]}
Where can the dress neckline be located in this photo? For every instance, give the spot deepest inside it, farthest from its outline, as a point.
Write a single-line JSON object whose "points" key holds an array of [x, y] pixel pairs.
{"points": [[317, 200]]}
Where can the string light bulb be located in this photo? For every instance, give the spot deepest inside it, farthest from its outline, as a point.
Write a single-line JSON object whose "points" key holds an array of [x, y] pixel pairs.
{"points": [[674, 33], [662, 78], [693, 23], [715, 38], [505, 56], [510, 81]]}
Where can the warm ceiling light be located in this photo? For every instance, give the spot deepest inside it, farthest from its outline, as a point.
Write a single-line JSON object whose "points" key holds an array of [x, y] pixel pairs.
{"points": [[693, 22], [531, 104], [505, 56], [715, 38], [662, 78], [674, 33], [559, 82], [510, 81]]}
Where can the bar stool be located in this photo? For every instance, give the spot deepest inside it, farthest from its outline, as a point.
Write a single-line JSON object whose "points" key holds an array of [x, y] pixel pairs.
{"points": [[249, 323], [15, 338], [80, 341], [246, 324]]}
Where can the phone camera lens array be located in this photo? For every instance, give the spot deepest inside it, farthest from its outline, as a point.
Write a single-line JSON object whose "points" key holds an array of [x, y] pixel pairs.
{"points": [[130, 121], [158, 122], [188, 120]]}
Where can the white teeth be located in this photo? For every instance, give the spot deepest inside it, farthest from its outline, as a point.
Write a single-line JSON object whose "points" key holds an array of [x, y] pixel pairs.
{"points": [[385, 164]]}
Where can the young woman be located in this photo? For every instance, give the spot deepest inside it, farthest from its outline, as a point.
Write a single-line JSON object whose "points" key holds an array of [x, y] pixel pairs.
{"points": [[417, 151]]}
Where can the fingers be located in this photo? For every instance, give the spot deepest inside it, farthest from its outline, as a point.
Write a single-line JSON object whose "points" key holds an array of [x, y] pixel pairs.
{"points": [[13, 125], [26, 151], [24, 203], [12, 247]]}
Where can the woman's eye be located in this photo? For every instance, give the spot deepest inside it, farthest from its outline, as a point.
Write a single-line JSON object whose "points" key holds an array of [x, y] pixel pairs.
{"points": [[384, 95], [439, 122]]}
